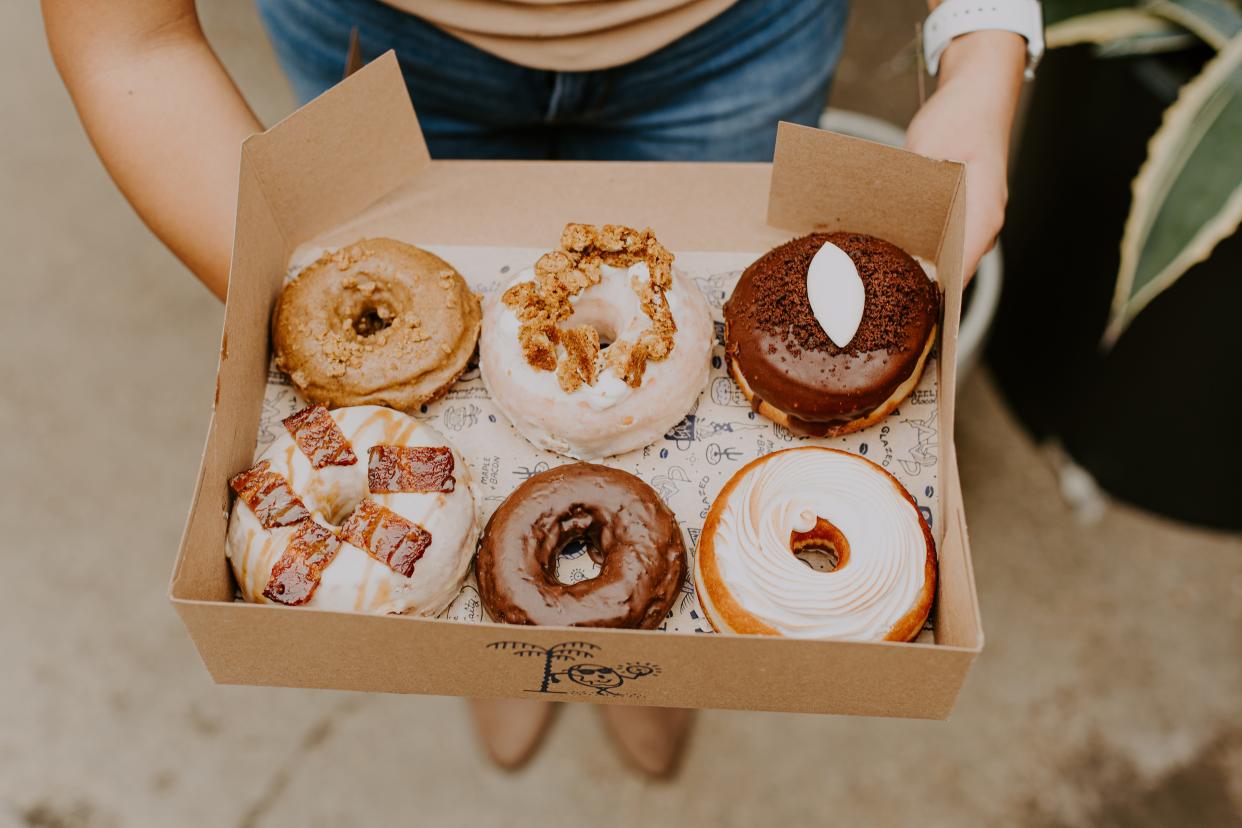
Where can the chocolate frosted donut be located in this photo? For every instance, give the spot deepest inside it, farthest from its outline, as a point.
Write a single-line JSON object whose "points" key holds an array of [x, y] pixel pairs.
{"points": [[789, 368], [627, 529]]}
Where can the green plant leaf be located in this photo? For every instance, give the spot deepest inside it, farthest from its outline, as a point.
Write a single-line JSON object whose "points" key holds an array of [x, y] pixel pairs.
{"points": [[1150, 43], [1188, 194], [1056, 11], [1107, 26], [1214, 21]]}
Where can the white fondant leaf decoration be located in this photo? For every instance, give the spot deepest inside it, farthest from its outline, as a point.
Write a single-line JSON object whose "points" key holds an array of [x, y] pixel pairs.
{"points": [[836, 293]]}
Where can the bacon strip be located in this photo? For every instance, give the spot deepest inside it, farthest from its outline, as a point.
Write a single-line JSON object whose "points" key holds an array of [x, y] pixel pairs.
{"points": [[295, 577], [386, 536], [320, 438], [410, 469], [269, 496]]}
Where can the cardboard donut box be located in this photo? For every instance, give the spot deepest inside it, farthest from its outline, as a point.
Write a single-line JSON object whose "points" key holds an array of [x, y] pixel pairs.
{"points": [[357, 150]]}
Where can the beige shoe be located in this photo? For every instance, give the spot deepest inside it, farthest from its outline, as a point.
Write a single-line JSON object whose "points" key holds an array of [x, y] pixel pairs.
{"points": [[653, 739], [511, 729]]}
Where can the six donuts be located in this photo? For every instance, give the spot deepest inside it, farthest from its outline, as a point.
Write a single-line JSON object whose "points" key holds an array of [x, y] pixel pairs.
{"points": [[627, 529], [749, 579], [877, 300], [362, 508], [601, 347], [378, 322], [308, 569]]}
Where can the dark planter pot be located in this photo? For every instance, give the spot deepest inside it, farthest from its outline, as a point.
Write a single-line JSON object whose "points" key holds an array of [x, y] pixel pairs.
{"points": [[1156, 419]]}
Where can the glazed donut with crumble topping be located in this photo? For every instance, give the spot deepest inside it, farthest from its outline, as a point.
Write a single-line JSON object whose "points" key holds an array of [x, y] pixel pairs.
{"points": [[360, 509], [378, 322], [601, 347], [880, 577], [789, 366]]}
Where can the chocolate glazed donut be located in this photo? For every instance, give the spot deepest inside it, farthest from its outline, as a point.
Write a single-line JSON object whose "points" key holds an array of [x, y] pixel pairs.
{"points": [[627, 529]]}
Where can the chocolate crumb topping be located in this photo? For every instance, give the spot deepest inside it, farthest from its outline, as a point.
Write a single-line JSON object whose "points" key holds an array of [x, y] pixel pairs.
{"points": [[786, 361], [895, 286]]}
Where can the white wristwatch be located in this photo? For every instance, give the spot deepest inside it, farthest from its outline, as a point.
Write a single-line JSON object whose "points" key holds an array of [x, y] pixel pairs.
{"points": [[954, 18]]}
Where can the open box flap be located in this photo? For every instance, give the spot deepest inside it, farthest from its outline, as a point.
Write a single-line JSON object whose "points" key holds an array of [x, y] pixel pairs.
{"points": [[826, 181], [333, 157]]}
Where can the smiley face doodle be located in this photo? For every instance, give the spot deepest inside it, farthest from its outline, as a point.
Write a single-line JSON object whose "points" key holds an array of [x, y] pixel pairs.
{"points": [[602, 678]]}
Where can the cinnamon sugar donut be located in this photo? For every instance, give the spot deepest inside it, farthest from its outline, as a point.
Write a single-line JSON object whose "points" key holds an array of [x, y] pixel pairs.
{"points": [[378, 322], [748, 576], [601, 347], [787, 365]]}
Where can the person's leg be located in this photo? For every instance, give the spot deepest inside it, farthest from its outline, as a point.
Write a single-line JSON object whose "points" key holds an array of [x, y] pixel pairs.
{"points": [[717, 93], [653, 739], [470, 104], [511, 729]]}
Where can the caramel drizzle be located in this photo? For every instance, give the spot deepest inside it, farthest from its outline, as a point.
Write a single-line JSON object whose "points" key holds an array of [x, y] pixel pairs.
{"points": [[386, 536], [410, 469], [269, 496], [297, 573], [320, 438]]}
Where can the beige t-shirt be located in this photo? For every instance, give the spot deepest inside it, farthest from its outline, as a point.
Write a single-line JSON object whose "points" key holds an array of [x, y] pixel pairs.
{"points": [[566, 35]]}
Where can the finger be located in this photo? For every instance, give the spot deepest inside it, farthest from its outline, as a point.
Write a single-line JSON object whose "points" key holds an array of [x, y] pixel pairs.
{"points": [[974, 251]]}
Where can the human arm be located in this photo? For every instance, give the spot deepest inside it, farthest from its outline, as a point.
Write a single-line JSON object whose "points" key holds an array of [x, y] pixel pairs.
{"points": [[969, 119], [163, 115]]}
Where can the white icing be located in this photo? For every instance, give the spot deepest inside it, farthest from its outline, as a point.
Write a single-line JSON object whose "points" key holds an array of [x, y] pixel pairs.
{"points": [[608, 417], [355, 581], [607, 391], [836, 293], [863, 599]]}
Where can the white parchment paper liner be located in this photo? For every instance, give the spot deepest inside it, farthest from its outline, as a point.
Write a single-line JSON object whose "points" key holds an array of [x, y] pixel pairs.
{"points": [[688, 467]]}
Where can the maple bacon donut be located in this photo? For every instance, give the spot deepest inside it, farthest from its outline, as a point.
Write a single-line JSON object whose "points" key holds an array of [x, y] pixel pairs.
{"points": [[359, 509], [627, 529], [378, 322], [828, 333], [880, 577], [600, 348]]}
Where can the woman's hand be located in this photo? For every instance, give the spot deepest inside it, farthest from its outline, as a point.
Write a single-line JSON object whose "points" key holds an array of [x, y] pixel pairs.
{"points": [[163, 115], [969, 119]]}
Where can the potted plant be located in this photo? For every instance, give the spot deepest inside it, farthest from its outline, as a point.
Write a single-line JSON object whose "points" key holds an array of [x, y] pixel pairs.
{"points": [[1119, 332]]}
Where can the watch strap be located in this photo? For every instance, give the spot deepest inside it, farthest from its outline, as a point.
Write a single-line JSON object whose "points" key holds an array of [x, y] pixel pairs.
{"points": [[954, 18]]}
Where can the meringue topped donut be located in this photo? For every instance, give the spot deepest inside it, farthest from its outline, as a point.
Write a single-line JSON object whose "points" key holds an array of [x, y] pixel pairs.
{"points": [[787, 307], [882, 579], [378, 322], [600, 348], [360, 509]]}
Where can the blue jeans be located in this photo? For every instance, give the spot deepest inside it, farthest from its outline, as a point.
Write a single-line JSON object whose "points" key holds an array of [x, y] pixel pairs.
{"points": [[715, 94]]}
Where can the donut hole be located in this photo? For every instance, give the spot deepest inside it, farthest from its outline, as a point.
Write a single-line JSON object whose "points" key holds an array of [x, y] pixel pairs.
{"points": [[599, 316], [371, 319], [820, 558], [577, 560], [337, 512], [823, 548]]}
